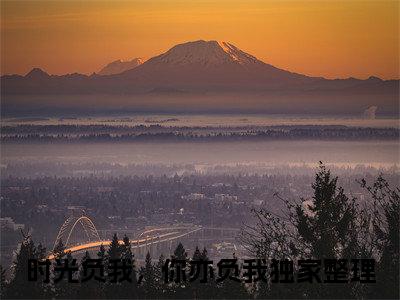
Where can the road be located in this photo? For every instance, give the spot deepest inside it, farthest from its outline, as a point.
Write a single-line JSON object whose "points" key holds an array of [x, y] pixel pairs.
{"points": [[138, 243]]}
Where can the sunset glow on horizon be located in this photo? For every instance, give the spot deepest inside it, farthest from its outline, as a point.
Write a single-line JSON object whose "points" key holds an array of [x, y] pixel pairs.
{"points": [[333, 39]]}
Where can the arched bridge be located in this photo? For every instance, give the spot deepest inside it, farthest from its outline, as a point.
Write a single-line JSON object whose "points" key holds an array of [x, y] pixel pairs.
{"points": [[67, 228], [147, 238]]}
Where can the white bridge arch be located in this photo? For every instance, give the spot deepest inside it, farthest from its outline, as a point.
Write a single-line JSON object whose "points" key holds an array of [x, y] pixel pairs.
{"points": [[69, 225]]}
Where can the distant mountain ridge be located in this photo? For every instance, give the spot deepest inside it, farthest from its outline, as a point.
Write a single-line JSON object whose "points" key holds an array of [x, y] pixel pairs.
{"points": [[119, 66], [198, 65], [205, 68]]}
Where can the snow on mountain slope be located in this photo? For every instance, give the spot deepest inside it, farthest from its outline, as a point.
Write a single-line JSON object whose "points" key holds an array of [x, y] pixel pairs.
{"points": [[120, 66], [208, 63], [206, 53]]}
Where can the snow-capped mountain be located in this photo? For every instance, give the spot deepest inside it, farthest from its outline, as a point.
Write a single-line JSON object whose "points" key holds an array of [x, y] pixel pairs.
{"points": [[209, 63], [206, 75], [120, 66], [206, 53], [37, 73]]}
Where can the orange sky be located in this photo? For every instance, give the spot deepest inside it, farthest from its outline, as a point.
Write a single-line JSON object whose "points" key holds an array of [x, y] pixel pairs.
{"points": [[334, 39]]}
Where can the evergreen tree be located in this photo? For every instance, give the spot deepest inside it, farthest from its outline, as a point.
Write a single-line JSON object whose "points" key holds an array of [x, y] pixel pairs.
{"points": [[102, 253], [327, 227], [89, 289], [180, 290], [324, 227], [19, 286], [386, 224], [85, 257], [230, 289], [123, 251], [59, 250], [180, 252], [115, 250], [161, 287], [200, 290], [196, 254], [149, 278], [204, 254], [63, 288], [129, 289], [126, 250], [41, 251], [3, 282], [195, 286]]}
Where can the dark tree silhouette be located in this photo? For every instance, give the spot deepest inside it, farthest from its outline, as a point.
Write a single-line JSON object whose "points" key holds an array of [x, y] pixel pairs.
{"points": [[161, 289], [3, 282], [385, 213], [318, 228], [102, 252], [179, 290], [201, 290], [180, 252], [59, 249], [204, 254], [19, 286], [88, 289], [148, 272], [196, 254], [64, 289], [229, 289], [326, 225], [115, 249], [129, 289]]}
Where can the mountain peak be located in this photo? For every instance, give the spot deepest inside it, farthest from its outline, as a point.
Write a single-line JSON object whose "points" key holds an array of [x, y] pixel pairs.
{"points": [[119, 66], [37, 73], [206, 53], [374, 78], [208, 63]]}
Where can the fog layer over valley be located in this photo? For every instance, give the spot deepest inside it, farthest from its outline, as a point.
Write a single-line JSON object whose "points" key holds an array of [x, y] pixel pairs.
{"points": [[367, 153], [201, 141]]}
